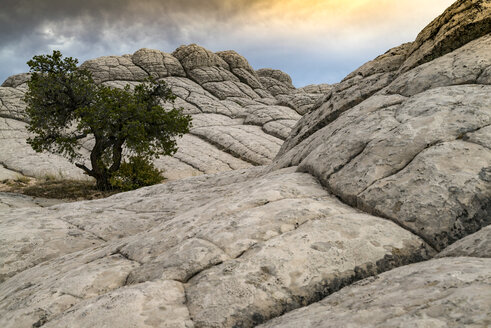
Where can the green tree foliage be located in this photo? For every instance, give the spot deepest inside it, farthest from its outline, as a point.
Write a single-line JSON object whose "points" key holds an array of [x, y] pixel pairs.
{"points": [[64, 106]]}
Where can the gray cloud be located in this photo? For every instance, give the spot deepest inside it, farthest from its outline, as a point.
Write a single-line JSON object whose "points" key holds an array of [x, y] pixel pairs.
{"points": [[89, 28]]}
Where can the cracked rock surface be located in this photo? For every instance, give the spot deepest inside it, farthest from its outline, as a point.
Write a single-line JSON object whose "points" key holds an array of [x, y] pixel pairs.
{"points": [[243, 247], [374, 213], [450, 292]]}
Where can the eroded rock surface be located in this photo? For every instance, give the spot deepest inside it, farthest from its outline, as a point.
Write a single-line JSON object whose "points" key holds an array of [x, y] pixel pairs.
{"points": [[438, 293], [476, 245], [244, 247]]}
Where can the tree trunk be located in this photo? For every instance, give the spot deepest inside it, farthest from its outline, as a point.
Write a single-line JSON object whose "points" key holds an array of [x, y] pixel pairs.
{"points": [[99, 171], [102, 183]]}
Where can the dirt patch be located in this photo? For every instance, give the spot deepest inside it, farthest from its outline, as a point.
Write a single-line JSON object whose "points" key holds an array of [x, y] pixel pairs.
{"points": [[69, 190]]}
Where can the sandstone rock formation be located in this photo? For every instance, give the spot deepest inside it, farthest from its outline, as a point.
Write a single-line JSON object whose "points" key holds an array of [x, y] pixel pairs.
{"points": [[391, 167], [237, 121]]}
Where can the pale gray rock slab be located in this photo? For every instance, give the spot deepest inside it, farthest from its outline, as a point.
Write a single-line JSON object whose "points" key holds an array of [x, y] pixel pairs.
{"points": [[186, 107], [275, 87], [462, 22], [38, 295], [352, 90], [121, 84], [317, 88], [221, 232], [462, 66], [249, 77], [206, 119], [441, 195], [226, 89], [387, 62], [476, 245], [11, 104], [299, 100], [465, 65], [277, 75], [174, 169], [33, 235], [29, 236], [150, 304], [245, 102], [429, 118], [380, 137], [205, 157], [6, 174], [211, 104], [241, 68], [16, 155], [365, 146], [203, 212], [182, 87], [261, 226], [203, 75], [261, 114], [157, 63], [246, 142], [113, 68], [481, 136], [349, 131], [16, 80], [10, 200], [297, 268], [342, 97], [279, 128], [193, 56], [450, 292], [266, 97]]}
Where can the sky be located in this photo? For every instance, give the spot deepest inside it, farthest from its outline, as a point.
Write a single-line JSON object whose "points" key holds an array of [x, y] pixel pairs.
{"points": [[315, 41]]}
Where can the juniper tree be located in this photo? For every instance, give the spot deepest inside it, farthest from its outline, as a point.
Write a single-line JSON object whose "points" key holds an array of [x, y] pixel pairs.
{"points": [[65, 106]]}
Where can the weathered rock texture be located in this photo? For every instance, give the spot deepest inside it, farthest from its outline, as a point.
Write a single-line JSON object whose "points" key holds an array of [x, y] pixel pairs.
{"points": [[477, 245], [243, 247], [390, 167], [438, 293], [237, 121]]}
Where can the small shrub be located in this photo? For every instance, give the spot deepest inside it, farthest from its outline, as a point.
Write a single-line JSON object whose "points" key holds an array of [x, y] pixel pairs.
{"points": [[136, 173]]}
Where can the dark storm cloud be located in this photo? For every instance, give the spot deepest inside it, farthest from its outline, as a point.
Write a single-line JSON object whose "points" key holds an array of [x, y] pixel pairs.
{"points": [[20, 19], [94, 27]]}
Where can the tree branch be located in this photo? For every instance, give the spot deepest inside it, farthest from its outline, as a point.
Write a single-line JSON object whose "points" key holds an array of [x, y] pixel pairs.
{"points": [[80, 136], [85, 168]]}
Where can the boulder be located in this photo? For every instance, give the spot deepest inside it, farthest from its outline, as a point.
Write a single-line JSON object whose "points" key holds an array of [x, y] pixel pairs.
{"points": [[114, 68]]}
